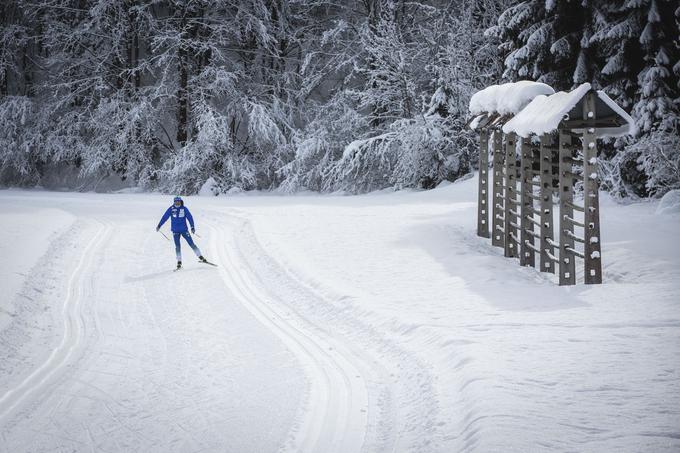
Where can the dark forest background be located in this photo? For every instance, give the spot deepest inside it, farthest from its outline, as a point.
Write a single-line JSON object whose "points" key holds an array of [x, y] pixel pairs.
{"points": [[176, 95]]}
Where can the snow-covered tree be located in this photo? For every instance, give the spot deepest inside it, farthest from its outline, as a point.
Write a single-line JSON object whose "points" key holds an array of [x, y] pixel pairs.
{"points": [[642, 49], [629, 49], [549, 41]]}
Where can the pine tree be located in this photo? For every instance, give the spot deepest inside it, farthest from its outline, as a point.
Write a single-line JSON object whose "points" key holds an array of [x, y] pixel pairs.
{"points": [[655, 109], [639, 48], [656, 112], [549, 41]]}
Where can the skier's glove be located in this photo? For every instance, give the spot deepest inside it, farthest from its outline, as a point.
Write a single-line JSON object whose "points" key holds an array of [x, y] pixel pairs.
{"points": [[193, 231], [158, 228]]}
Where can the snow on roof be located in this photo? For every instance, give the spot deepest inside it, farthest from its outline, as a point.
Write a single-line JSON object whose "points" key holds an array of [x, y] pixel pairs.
{"points": [[508, 98], [475, 122], [545, 113]]}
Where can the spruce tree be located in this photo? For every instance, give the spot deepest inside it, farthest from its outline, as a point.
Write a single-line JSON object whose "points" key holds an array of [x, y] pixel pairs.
{"points": [[549, 41]]}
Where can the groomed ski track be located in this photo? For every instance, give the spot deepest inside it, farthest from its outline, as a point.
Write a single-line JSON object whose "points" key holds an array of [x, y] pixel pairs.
{"points": [[72, 337], [130, 331], [141, 359], [377, 323], [335, 417], [361, 395]]}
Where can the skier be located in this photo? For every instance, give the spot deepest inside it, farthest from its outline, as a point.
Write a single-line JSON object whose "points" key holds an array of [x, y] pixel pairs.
{"points": [[180, 214]]}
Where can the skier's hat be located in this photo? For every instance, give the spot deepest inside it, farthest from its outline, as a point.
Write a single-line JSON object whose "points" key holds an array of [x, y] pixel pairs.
{"points": [[176, 199]]}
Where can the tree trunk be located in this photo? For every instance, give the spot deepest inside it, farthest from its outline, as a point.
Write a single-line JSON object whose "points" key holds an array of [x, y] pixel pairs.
{"points": [[182, 109]]}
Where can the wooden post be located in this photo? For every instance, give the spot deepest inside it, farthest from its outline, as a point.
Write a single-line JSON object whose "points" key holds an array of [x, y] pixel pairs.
{"points": [[547, 251], [497, 235], [527, 257], [511, 205], [483, 192], [591, 202], [567, 268]]}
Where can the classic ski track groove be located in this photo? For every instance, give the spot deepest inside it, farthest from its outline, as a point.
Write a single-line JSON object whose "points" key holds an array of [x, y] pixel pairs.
{"points": [[385, 431], [73, 333], [334, 381]]}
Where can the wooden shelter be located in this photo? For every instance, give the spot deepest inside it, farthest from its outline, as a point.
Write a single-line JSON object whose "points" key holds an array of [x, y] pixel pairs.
{"points": [[545, 148]]}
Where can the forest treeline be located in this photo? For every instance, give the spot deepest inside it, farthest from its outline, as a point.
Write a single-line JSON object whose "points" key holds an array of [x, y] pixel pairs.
{"points": [[319, 95]]}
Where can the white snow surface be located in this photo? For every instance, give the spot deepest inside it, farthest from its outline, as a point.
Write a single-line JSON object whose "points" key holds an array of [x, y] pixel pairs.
{"points": [[209, 188], [475, 121], [544, 113], [670, 203], [508, 98], [333, 324]]}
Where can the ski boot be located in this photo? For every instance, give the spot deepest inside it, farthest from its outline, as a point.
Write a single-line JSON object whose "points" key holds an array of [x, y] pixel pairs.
{"points": [[179, 265], [201, 259]]}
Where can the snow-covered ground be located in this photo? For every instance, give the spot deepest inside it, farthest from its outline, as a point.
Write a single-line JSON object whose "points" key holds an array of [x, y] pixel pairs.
{"points": [[368, 323]]}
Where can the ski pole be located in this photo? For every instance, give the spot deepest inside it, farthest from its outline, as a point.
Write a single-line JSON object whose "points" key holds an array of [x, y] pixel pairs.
{"points": [[196, 234], [164, 235]]}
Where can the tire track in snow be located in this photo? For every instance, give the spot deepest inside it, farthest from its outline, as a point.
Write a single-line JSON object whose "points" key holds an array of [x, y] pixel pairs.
{"points": [[336, 416], [73, 333]]}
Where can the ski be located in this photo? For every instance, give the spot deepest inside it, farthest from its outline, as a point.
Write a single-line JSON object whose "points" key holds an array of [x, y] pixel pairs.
{"points": [[207, 262], [177, 269]]}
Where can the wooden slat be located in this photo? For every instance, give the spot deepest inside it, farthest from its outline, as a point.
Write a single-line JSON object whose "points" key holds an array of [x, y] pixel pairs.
{"points": [[573, 251], [575, 207], [532, 247], [568, 159], [534, 221], [570, 174], [551, 256], [553, 244], [573, 221], [533, 234], [572, 236]]}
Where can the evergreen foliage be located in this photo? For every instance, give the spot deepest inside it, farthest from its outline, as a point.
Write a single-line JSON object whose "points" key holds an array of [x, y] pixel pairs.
{"points": [[352, 96], [630, 49], [254, 94]]}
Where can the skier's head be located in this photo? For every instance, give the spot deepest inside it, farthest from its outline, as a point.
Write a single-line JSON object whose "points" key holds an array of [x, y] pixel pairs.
{"points": [[178, 201]]}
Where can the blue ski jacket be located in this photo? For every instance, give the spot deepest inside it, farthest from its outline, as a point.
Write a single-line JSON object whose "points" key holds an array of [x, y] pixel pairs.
{"points": [[179, 216]]}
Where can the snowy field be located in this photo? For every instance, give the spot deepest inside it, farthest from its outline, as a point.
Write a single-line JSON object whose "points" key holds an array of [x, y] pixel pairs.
{"points": [[333, 324]]}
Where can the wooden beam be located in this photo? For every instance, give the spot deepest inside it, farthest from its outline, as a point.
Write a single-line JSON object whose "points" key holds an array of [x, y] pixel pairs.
{"points": [[592, 122], [484, 122], [527, 256], [546, 263], [567, 266], [497, 193], [510, 249], [483, 190], [591, 187]]}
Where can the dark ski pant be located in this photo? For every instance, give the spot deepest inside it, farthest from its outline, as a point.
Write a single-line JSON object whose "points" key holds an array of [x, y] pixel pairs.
{"points": [[190, 241]]}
